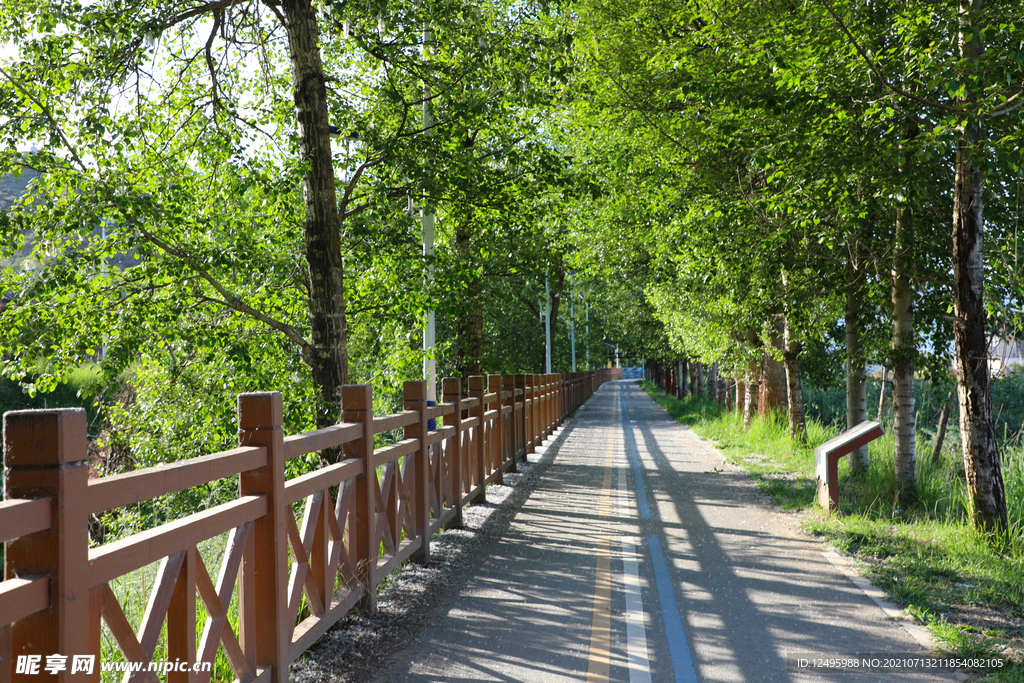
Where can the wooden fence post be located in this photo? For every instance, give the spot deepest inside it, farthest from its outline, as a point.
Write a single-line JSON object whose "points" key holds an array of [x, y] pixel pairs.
{"points": [[572, 392], [574, 383], [538, 410], [451, 392], [261, 423], [498, 430], [181, 619], [357, 406], [477, 390], [536, 415], [556, 400], [521, 434], [565, 395], [558, 408], [527, 416], [563, 389], [542, 408], [45, 455], [414, 395], [552, 402], [549, 404], [508, 385]]}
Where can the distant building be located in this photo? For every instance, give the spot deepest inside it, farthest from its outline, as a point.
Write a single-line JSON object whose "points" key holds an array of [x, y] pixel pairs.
{"points": [[1005, 354]]}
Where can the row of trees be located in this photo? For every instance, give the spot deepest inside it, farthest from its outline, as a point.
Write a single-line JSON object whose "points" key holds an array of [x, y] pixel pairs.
{"points": [[784, 166], [723, 180], [267, 164]]}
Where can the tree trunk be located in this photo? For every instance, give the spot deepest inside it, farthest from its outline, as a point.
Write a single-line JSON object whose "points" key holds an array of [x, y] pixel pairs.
{"points": [[773, 376], [752, 390], [329, 353], [693, 379], [741, 392], [681, 369], [940, 432], [977, 432], [856, 384], [791, 354], [904, 349], [474, 362], [723, 391], [700, 380], [712, 383], [556, 302], [470, 326]]}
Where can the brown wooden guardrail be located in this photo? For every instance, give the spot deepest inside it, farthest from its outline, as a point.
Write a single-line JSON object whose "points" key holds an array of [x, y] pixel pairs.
{"points": [[292, 576], [827, 455]]}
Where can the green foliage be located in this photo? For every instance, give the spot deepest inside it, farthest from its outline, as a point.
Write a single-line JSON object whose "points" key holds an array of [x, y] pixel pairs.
{"points": [[84, 386]]}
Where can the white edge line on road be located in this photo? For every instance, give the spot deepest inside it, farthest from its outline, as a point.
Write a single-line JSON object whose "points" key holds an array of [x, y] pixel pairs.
{"points": [[636, 633], [921, 635]]}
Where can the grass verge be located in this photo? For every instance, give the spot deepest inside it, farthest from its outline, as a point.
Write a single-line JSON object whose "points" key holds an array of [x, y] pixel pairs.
{"points": [[966, 589]]}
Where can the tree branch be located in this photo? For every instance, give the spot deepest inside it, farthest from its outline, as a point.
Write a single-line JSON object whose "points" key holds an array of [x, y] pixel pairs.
{"points": [[219, 5], [229, 299], [1010, 105], [218, 18], [46, 112], [874, 68]]}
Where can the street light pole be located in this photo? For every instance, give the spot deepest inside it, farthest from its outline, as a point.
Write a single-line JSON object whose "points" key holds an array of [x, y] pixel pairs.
{"points": [[547, 325], [427, 220], [588, 335], [572, 317]]}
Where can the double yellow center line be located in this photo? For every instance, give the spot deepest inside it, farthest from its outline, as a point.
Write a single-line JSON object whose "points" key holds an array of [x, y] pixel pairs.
{"points": [[598, 669]]}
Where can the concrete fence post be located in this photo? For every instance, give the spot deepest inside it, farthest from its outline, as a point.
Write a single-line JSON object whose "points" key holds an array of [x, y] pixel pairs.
{"points": [[45, 456]]}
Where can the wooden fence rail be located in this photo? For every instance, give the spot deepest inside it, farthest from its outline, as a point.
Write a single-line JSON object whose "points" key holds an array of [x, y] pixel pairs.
{"points": [[291, 577]]}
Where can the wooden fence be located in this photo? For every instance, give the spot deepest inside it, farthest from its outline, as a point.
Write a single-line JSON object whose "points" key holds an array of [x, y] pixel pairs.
{"points": [[361, 519]]}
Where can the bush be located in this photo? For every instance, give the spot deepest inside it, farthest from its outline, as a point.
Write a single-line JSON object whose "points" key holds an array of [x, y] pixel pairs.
{"points": [[83, 389]]}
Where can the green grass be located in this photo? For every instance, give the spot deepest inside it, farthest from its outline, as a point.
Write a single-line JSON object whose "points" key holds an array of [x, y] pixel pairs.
{"points": [[964, 587], [133, 592]]}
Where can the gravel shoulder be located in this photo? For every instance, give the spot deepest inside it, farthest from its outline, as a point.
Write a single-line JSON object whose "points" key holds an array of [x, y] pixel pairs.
{"points": [[358, 645]]}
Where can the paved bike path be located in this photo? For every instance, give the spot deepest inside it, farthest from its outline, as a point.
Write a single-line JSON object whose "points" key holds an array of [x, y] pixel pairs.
{"points": [[642, 557]]}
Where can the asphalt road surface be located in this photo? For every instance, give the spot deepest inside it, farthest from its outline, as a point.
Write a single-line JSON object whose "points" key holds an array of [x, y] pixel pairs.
{"points": [[642, 557]]}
